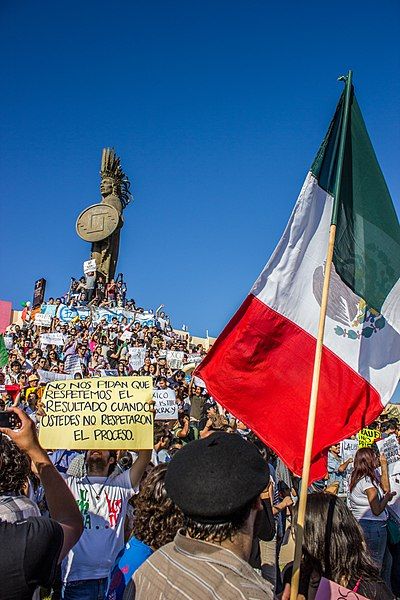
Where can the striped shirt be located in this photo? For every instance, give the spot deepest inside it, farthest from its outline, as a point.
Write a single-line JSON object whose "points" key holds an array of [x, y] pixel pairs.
{"points": [[15, 508], [188, 569]]}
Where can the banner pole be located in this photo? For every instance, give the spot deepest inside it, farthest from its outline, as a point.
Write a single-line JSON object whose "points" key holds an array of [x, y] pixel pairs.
{"points": [[318, 353]]}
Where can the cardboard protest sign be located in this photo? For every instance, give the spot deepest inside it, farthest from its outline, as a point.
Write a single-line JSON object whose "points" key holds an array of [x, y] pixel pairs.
{"points": [[47, 376], [136, 358], [391, 449], [366, 437], [52, 338], [348, 448], [165, 404], [328, 590], [194, 358], [8, 342], [126, 335], [89, 266], [175, 359], [106, 413], [72, 364], [42, 320]]}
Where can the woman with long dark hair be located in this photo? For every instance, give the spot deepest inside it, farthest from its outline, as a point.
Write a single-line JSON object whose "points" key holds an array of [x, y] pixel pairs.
{"points": [[156, 522], [334, 547], [369, 495]]}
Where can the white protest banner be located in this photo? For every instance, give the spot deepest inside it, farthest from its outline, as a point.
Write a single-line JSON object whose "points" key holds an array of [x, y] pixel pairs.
{"points": [[129, 315], [42, 320], [120, 314], [108, 315], [109, 372], [109, 413], [145, 318], [136, 358], [67, 314], [165, 405], [194, 358], [348, 448], [49, 309], [175, 359], [8, 341], [47, 376], [72, 364], [126, 335], [390, 448], [52, 338], [89, 266], [83, 312]]}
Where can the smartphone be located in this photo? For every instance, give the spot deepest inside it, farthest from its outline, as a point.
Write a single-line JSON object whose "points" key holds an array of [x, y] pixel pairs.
{"points": [[9, 419]]}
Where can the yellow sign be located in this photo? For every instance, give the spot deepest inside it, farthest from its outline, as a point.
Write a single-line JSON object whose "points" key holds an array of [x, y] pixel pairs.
{"points": [[106, 413], [366, 437]]}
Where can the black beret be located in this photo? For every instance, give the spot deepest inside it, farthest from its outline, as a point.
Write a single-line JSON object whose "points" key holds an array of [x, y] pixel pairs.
{"points": [[214, 478]]}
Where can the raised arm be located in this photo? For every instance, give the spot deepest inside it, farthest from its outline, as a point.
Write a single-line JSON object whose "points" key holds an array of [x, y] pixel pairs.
{"points": [[385, 481], [138, 468], [61, 503]]}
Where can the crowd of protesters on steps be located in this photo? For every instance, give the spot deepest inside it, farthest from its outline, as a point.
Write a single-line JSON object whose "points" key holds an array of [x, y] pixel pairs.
{"points": [[209, 512]]}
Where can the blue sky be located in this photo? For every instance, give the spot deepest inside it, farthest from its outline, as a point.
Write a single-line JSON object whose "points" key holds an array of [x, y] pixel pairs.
{"points": [[217, 110]]}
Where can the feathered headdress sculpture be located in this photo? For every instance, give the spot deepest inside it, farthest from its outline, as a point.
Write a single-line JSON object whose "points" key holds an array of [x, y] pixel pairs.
{"points": [[111, 167]]}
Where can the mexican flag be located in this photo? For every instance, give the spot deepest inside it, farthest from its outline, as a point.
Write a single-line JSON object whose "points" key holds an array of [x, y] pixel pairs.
{"points": [[260, 368]]}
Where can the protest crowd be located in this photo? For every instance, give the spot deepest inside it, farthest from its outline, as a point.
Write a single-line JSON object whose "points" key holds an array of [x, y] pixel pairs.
{"points": [[207, 512]]}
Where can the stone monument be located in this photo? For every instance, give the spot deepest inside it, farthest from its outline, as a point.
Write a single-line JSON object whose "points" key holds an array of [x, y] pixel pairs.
{"points": [[101, 223]]}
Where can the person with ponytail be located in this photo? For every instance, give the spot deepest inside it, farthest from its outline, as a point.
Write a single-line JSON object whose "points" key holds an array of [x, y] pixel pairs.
{"points": [[369, 493]]}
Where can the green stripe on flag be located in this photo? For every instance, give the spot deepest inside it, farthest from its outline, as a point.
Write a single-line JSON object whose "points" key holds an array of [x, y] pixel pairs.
{"points": [[3, 353], [367, 246]]}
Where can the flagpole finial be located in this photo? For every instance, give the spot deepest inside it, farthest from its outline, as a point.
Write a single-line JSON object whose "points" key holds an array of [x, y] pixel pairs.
{"points": [[345, 78]]}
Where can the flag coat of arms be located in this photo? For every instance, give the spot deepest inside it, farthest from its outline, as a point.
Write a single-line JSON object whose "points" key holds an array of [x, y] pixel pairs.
{"points": [[260, 368]]}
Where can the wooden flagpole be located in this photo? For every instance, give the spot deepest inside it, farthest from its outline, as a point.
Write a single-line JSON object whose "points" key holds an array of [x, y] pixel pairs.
{"points": [[318, 353]]}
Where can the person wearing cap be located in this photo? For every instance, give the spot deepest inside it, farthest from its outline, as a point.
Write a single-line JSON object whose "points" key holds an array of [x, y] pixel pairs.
{"points": [[220, 501], [33, 386]]}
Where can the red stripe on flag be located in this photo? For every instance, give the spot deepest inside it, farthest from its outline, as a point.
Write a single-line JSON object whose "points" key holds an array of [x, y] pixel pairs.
{"points": [[260, 370]]}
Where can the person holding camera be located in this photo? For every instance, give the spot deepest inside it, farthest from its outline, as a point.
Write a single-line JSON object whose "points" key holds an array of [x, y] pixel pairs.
{"points": [[35, 545]]}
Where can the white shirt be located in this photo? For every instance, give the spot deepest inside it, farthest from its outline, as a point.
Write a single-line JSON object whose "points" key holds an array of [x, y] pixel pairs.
{"points": [[93, 556], [359, 504]]}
